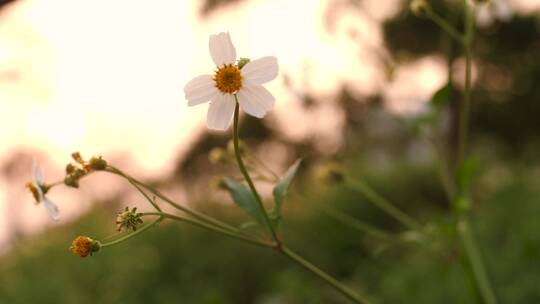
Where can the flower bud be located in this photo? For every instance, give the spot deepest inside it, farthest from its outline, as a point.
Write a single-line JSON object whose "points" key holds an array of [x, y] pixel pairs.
{"points": [[218, 155], [71, 181], [77, 157], [70, 168], [330, 174], [217, 183], [419, 7], [242, 62], [83, 246], [128, 219], [241, 147], [97, 163]]}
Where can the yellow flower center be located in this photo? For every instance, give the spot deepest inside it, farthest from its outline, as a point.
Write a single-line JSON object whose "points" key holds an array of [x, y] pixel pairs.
{"points": [[228, 79], [82, 246], [33, 189]]}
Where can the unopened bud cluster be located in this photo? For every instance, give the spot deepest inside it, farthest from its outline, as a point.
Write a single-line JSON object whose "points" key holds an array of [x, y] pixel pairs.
{"points": [[75, 171], [128, 219]]}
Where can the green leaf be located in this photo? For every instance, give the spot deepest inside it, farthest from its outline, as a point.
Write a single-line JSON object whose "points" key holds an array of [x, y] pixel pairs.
{"points": [[441, 97], [280, 190], [244, 198]]}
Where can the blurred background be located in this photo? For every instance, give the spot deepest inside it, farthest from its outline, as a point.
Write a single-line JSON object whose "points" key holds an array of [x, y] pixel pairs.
{"points": [[356, 77]]}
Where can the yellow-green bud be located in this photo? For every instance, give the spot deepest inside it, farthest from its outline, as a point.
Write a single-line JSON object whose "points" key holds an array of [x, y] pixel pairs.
{"points": [[217, 183], [218, 155], [330, 173], [242, 62], [70, 168], [71, 181], [419, 7], [97, 163]]}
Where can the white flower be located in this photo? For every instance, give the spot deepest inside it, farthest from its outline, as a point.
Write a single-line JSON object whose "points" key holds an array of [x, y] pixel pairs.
{"points": [[230, 81], [37, 187]]}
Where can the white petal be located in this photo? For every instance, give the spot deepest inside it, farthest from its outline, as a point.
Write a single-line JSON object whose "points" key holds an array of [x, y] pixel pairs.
{"points": [[255, 100], [200, 89], [51, 208], [220, 112], [36, 172], [221, 49], [260, 70]]}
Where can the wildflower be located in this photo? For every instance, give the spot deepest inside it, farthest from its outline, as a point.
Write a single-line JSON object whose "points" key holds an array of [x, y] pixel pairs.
{"points": [[38, 189], [84, 246], [128, 219], [242, 79]]}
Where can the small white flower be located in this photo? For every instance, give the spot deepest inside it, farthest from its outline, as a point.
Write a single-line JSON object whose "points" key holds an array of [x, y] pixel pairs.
{"points": [[36, 188], [229, 80]]}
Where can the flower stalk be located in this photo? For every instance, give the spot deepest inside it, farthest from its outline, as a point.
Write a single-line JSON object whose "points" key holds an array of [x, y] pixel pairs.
{"points": [[246, 174]]}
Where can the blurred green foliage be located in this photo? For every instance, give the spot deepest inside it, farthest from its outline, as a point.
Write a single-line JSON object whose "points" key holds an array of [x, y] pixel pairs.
{"points": [[179, 263]]}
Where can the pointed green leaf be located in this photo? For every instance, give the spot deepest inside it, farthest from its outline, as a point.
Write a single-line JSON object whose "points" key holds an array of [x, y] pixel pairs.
{"points": [[244, 198], [280, 189], [442, 96]]}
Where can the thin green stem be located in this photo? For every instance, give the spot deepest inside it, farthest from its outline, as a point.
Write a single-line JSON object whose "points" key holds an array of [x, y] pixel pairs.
{"points": [[347, 292], [444, 25], [210, 227], [355, 223], [134, 233], [132, 182], [193, 213], [57, 183], [465, 108], [258, 162], [475, 258], [246, 174], [463, 227], [382, 203]]}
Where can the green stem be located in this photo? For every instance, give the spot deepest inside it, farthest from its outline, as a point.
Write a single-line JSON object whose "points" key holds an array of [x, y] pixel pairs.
{"points": [[477, 265], [347, 292], [256, 161], [444, 25], [463, 227], [246, 174], [134, 233], [132, 182], [465, 108], [210, 227], [382, 203], [355, 223], [194, 213]]}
